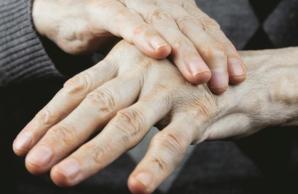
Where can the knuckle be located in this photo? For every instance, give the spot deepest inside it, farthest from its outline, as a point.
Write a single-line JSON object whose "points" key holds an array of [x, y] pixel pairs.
{"points": [[164, 90], [96, 152], [219, 54], [74, 41], [97, 155], [145, 30], [184, 23], [66, 133], [78, 84], [203, 108], [214, 53], [162, 164], [208, 23], [129, 124], [157, 15], [211, 24], [140, 29], [102, 99], [173, 142], [46, 117], [206, 106]]}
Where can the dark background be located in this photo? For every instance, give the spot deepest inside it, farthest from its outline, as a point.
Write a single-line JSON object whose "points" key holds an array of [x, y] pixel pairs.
{"points": [[263, 163]]}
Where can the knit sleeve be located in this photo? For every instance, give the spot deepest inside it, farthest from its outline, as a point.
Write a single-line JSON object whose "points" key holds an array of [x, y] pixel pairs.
{"points": [[22, 55]]}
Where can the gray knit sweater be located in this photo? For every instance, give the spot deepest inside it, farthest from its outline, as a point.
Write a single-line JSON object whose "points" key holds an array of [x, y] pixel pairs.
{"points": [[22, 55]]}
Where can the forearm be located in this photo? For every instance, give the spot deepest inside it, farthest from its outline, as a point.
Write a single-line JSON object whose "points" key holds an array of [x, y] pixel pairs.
{"points": [[22, 55]]}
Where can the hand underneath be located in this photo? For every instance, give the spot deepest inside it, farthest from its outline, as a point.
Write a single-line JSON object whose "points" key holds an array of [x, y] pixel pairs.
{"points": [[122, 97], [159, 28]]}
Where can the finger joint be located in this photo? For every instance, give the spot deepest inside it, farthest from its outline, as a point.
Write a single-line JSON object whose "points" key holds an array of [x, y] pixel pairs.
{"points": [[102, 99], [78, 84], [66, 133], [129, 124], [45, 117]]}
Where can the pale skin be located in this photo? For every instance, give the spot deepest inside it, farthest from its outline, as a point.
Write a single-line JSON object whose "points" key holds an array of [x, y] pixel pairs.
{"points": [[177, 29], [122, 97]]}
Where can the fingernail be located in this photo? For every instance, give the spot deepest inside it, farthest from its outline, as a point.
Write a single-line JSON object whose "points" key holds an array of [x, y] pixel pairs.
{"points": [[41, 156], [219, 80], [69, 168], [144, 178], [157, 43], [23, 141], [236, 67], [197, 66]]}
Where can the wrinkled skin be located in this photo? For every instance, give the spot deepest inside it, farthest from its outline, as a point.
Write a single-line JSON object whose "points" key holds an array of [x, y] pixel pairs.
{"points": [[127, 93], [159, 28]]}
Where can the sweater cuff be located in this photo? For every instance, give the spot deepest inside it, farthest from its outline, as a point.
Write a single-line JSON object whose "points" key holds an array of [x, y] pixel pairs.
{"points": [[22, 55]]}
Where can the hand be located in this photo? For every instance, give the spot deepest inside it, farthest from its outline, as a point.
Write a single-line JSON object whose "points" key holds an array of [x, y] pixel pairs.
{"points": [[196, 40], [80, 26], [157, 27], [132, 94]]}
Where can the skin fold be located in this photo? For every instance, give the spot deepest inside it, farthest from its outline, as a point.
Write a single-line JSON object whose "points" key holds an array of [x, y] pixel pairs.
{"points": [[177, 29], [119, 99]]}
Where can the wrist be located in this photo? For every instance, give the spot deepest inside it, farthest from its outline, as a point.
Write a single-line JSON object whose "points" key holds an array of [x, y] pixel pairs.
{"points": [[275, 72], [270, 94], [268, 97]]}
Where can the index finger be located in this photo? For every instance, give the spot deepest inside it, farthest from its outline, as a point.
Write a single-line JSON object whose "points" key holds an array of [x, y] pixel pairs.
{"points": [[129, 25]]}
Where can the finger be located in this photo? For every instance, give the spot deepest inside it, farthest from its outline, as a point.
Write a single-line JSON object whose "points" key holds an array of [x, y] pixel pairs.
{"points": [[165, 153], [211, 51], [63, 103], [125, 130], [236, 67], [131, 26], [97, 108], [184, 54]]}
